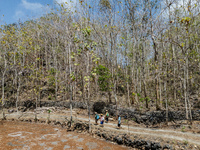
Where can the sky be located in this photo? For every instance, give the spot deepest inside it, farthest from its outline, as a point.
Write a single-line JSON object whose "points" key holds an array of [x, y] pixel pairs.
{"points": [[12, 11]]}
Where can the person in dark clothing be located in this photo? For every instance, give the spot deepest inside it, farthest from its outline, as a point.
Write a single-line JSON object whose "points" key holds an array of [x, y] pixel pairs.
{"points": [[107, 116]]}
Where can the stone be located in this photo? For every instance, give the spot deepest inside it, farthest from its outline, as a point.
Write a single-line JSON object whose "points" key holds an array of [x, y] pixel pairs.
{"points": [[91, 145], [128, 142], [155, 146], [69, 135], [26, 147], [42, 144], [67, 147], [148, 146], [103, 135], [57, 123], [75, 137], [10, 110], [166, 147], [80, 140], [119, 141], [107, 148], [98, 133], [64, 140], [54, 143]]}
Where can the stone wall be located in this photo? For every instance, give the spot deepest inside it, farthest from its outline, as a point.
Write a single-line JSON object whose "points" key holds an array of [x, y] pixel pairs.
{"points": [[31, 104], [147, 118], [151, 117]]}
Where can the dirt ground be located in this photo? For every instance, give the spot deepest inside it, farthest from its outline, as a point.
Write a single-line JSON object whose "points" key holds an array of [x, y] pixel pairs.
{"points": [[28, 136]]}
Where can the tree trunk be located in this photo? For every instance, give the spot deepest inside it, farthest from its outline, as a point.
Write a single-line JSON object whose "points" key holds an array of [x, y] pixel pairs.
{"points": [[71, 88], [109, 97], [3, 101], [115, 93], [36, 109], [88, 98], [18, 89], [3, 92], [187, 83], [185, 90], [166, 101]]}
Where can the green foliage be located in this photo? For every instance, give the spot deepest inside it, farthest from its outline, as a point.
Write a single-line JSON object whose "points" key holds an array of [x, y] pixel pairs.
{"points": [[133, 94], [52, 71], [144, 99], [133, 119], [86, 31], [49, 111], [72, 76], [49, 97], [51, 80], [148, 99], [183, 129], [104, 77], [185, 142], [185, 20], [141, 99]]}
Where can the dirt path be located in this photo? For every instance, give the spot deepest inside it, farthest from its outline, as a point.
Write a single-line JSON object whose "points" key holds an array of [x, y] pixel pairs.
{"points": [[165, 134], [111, 126]]}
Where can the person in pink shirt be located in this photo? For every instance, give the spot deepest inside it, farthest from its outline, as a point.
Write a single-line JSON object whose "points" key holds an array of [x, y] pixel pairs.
{"points": [[102, 119]]}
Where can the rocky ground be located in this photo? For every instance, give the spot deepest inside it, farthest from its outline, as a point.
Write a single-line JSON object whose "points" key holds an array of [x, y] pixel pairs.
{"points": [[179, 135]]}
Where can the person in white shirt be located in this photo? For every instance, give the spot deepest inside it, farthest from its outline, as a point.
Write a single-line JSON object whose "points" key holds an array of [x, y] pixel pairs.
{"points": [[119, 121]]}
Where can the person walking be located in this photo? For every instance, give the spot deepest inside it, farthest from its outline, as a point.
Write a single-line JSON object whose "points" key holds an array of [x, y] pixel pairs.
{"points": [[107, 116], [119, 121], [96, 117], [102, 120]]}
